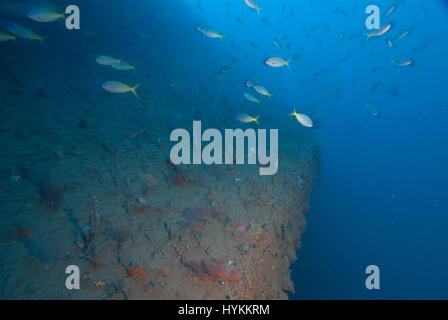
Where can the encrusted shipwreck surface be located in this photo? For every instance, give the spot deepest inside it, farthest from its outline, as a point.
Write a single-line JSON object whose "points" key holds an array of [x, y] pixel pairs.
{"points": [[87, 181]]}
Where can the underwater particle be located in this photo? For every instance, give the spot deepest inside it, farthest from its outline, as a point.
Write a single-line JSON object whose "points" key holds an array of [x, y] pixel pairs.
{"points": [[373, 110], [106, 60], [277, 62], [253, 5], [119, 87], [263, 91], [379, 32], [390, 43], [6, 37], [402, 63], [244, 118], [22, 32], [250, 97], [303, 119], [341, 36], [209, 32], [44, 15], [122, 66]]}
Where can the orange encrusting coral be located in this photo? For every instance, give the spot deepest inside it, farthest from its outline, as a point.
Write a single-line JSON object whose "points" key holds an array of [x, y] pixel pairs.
{"points": [[233, 278], [138, 271]]}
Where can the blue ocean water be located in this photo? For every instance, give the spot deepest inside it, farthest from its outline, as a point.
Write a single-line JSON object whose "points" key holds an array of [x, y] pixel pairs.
{"points": [[381, 198], [384, 201]]}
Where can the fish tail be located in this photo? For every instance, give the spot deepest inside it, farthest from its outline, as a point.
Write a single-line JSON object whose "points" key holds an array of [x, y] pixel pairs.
{"points": [[256, 119], [269, 96], [287, 64], [294, 113], [41, 39], [134, 90]]}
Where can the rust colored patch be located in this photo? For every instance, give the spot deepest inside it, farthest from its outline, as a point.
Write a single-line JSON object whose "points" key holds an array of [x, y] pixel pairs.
{"points": [[138, 271]]}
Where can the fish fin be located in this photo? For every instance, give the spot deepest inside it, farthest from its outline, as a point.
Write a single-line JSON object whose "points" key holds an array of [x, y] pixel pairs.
{"points": [[134, 90]]}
